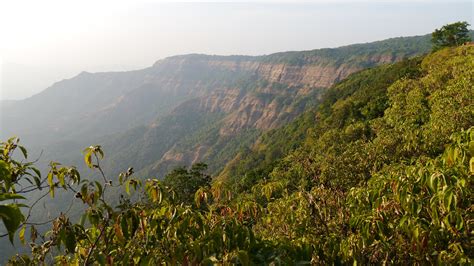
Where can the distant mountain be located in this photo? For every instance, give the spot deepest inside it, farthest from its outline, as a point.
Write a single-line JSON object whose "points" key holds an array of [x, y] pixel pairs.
{"points": [[187, 108]]}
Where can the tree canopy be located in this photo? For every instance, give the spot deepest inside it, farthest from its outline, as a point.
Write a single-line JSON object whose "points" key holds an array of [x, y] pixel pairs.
{"points": [[453, 34]]}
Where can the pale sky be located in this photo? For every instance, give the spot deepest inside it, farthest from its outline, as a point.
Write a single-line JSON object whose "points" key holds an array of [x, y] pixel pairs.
{"points": [[42, 42]]}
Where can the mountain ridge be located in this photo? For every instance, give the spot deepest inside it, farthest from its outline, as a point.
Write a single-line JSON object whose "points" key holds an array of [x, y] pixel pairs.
{"points": [[244, 95]]}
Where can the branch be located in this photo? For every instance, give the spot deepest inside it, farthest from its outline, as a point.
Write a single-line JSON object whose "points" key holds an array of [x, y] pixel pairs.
{"points": [[100, 168], [104, 226]]}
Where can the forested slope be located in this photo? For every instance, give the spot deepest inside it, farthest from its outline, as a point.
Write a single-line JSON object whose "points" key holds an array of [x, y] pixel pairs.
{"points": [[383, 174], [380, 172]]}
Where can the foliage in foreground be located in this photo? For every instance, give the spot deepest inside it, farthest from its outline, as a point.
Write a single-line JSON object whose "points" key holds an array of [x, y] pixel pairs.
{"points": [[419, 212], [386, 176]]}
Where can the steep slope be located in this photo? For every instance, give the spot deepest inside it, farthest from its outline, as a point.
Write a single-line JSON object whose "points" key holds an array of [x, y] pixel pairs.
{"points": [[102, 103], [278, 90], [384, 172], [371, 85], [417, 101]]}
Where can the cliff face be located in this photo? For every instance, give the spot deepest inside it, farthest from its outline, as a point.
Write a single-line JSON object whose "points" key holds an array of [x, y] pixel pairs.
{"points": [[265, 106], [279, 92]]}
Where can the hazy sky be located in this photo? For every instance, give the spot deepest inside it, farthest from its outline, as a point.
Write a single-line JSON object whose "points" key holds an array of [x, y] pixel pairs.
{"points": [[45, 41]]}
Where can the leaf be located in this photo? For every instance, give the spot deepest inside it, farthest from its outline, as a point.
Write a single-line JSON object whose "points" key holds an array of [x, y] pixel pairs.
{"points": [[459, 223], [212, 260], [50, 179], [37, 182], [127, 187], [124, 227], [61, 179], [435, 216], [100, 151], [83, 219], [51, 192], [433, 182], [12, 218], [37, 172], [99, 188], [154, 194], [88, 158], [70, 241], [402, 221], [21, 235], [471, 165], [93, 217], [101, 259], [5, 173], [10, 196], [448, 197], [33, 233], [243, 257], [118, 232], [24, 151]]}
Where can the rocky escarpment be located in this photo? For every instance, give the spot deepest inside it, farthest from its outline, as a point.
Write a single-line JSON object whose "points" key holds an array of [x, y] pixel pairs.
{"points": [[280, 92], [262, 107]]}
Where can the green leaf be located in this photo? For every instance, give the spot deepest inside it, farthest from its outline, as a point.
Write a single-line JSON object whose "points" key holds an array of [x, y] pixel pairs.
{"points": [[10, 196], [37, 182], [124, 227], [243, 257], [70, 241], [5, 173], [61, 179], [93, 217], [402, 221], [12, 218], [127, 187], [37, 172], [471, 165], [448, 197], [101, 259], [459, 223], [23, 150]]}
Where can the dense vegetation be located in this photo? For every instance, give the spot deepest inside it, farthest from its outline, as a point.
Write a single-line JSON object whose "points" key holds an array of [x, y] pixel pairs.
{"points": [[356, 53], [451, 35], [380, 172]]}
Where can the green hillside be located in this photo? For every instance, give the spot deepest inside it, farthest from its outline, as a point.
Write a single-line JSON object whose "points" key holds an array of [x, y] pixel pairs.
{"points": [[366, 89], [400, 47], [381, 171]]}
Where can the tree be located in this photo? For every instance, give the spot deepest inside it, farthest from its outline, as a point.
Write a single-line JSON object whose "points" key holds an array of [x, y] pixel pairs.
{"points": [[186, 182], [453, 34]]}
